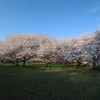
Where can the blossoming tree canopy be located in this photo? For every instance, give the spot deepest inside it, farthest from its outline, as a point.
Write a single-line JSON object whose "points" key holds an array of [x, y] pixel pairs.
{"points": [[23, 47]]}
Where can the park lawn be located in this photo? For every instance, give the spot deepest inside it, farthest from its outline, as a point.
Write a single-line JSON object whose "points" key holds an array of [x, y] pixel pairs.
{"points": [[29, 83], [39, 65]]}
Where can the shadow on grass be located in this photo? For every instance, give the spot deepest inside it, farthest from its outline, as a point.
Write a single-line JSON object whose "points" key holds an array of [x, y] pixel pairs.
{"points": [[26, 83]]}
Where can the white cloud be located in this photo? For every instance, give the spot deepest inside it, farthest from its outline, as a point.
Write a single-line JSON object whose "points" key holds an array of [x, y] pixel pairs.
{"points": [[94, 10]]}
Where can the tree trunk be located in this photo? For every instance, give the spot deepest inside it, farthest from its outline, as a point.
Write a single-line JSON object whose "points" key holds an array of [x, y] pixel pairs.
{"points": [[17, 62], [78, 63], [46, 65], [24, 61], [94, 62], [94, 65]]}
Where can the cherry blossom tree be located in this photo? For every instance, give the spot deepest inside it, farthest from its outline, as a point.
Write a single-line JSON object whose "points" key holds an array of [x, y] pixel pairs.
{"points": [[75, 49], [92, 48], [21, 47]]}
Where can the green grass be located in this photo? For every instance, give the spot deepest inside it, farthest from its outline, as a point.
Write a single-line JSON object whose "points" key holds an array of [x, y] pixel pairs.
{"points": [[29, 83], [37, 65]]}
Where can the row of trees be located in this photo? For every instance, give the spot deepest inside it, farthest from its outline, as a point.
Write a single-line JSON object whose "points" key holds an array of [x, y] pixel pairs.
{"points": [[23, 47]]}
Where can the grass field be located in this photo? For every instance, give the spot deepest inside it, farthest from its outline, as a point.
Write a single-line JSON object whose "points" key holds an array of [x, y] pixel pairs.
{"points": [[29, 83]]}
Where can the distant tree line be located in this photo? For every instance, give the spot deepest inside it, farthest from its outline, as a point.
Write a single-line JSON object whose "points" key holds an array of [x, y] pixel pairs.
{"points": [[23, 47]]}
